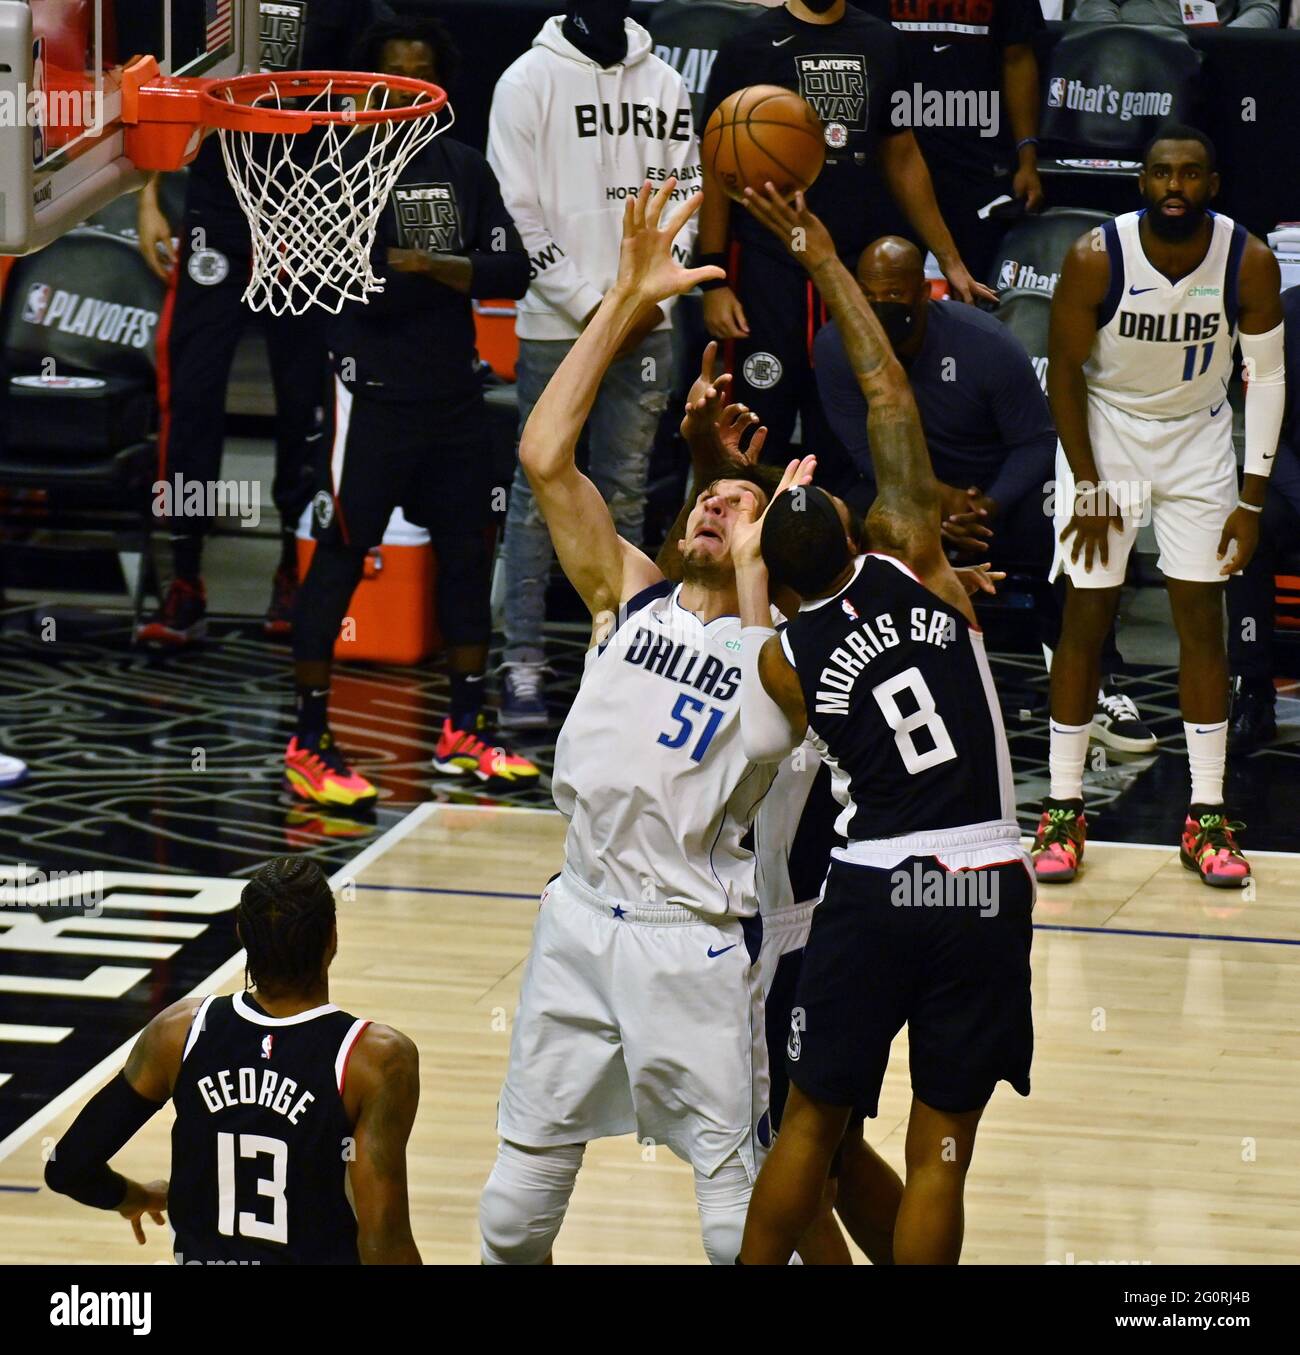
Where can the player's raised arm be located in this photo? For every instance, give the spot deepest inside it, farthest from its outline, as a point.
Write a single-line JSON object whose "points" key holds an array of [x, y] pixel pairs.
{"points": [[384, 1078], [603, 568], [905, 517]]}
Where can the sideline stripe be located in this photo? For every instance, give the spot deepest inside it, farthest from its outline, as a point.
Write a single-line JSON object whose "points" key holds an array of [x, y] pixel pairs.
{"points": [[88, 1081], [1038, 926]]}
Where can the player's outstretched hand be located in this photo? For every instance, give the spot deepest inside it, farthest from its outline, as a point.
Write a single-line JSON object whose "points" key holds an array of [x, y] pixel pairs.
{"points": [[646, 266], [800, 230], [746, 536], [140, 1200], [1241, 530], [980, 578], [721, 427]]}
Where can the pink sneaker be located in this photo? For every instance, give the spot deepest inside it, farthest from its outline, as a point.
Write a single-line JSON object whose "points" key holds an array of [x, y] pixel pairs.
{"points": [[1210, 848], [1059, 842]]}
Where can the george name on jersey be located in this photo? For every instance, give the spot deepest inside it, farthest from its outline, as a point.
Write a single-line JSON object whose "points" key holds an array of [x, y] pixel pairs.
{"points": [[683, 664], [1187, 327], [869, 640], [254, 1087]]}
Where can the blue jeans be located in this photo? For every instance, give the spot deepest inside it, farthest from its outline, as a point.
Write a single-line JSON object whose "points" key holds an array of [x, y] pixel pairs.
{"points": [[621, 432]]}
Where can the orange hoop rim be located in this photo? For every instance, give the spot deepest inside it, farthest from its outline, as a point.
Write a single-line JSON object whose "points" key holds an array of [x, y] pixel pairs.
{"points": [[230, 103]]}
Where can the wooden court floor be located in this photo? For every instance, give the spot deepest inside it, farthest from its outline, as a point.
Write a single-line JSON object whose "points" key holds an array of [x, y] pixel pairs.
{"points": [[1164, 1124]]}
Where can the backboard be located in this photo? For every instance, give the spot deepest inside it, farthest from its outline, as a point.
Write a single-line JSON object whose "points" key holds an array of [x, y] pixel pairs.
{"points": [[61, 138]]}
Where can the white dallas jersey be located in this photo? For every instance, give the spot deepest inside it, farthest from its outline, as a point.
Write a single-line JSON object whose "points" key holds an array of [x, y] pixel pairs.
{"points": [[649, 766], [1164, 349]]}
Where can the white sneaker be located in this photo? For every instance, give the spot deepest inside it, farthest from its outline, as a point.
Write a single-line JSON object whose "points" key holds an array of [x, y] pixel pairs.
{"points": [[12, 770], [1118, 725]]}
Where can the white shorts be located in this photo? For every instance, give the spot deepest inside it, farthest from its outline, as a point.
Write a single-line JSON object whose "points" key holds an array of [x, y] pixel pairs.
{"points": [[1182, 473], [784, 930], [651, 1022]]}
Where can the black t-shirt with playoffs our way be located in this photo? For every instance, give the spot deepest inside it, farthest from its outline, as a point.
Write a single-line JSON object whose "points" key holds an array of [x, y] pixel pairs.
{"points": [[849, 71]]}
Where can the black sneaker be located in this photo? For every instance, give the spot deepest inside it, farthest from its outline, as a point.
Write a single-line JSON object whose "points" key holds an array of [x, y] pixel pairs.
{"points": [[182, 618], [1254, 717], [284, 593], [1118, 725]]}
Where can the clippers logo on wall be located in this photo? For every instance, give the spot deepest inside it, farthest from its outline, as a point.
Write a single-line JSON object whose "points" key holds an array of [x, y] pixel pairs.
{"points": [[69, 997], [836, 86], [282, 24], [427, 218]]}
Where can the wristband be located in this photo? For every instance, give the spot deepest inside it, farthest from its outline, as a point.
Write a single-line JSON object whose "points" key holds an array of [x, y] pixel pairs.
{"points": [[711, 261], [1026, 141], [1250, 507]]}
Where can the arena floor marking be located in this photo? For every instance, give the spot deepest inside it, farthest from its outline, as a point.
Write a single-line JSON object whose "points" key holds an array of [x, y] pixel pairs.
{"points": [[92, 1079]]}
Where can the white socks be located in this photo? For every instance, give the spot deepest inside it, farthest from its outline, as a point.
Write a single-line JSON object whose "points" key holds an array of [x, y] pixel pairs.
{"points": [[1068, 752], [1207, 750]]}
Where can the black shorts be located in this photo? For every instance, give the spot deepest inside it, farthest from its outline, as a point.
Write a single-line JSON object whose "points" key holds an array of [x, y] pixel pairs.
{"points": [[433, 461], [956, 973]]}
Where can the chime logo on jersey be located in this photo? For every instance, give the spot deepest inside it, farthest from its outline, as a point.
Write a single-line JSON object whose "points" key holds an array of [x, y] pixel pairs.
{"points": [[427, 218], [281, 34], [836, 86], [267, 1042], [762, 370]]}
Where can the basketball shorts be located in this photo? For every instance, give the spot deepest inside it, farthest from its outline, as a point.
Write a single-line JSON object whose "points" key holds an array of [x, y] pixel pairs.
{"points": [[1180, 474], [785, 934], [937, 940], [432, 461], [639, 1019]]}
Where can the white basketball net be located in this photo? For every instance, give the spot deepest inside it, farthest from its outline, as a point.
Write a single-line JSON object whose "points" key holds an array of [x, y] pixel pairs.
{"points": [[313, 200]]}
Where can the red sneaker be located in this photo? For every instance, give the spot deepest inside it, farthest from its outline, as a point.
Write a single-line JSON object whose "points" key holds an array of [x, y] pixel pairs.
{"points": [[461, 752], [1059, 842], [182, 618], [317, 772], [1210, 848]]}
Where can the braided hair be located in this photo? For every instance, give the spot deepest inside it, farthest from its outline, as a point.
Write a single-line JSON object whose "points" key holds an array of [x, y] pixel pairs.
{"points": [[285, 917]]}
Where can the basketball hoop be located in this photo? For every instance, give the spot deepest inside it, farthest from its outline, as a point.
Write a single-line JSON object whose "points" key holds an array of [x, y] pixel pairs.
{"points": [[312, 202]]}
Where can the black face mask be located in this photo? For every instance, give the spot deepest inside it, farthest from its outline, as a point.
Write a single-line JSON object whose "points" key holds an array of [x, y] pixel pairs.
{"points": [[897, 319], [1175, 228], [819, 6], [595, 28]]}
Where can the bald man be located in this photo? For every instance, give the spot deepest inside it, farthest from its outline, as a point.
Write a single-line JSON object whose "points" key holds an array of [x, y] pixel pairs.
{"points": [[990, 436]]}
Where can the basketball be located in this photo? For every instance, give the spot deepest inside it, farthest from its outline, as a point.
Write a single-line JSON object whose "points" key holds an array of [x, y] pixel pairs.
{"points": [[762, 133]]}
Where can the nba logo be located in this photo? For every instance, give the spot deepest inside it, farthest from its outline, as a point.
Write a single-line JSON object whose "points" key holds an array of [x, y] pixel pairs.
{"points": [[1056, 91], [38, 300], [267, 1042], [1007, 277], [849, 609]]}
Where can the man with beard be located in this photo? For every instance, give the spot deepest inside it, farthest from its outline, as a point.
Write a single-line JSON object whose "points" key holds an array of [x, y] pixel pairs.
{"points": [[641, 1003], [1144, 321]]}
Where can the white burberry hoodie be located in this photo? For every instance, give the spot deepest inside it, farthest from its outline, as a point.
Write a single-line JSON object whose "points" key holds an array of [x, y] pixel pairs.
{"points": [[569, 142]]}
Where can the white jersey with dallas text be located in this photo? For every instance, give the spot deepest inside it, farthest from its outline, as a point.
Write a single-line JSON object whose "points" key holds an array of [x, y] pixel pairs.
{"points": [[1164, 349], [649, 766]]}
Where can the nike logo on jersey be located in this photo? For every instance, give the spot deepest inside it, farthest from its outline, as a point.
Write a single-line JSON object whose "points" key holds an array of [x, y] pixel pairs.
{"points": [[713, 954], [781, 42], [1216, 409], [942, 47], [1138, 291]]}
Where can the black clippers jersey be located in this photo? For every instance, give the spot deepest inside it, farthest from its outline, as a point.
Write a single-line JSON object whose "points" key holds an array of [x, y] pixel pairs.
{"points": [[261, 1143], [901, 702]]}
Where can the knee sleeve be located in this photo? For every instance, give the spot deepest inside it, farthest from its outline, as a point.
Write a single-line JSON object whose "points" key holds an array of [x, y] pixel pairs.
{"points": [[723, 1201], [465, 588], [524, 1202], [323, 599]]}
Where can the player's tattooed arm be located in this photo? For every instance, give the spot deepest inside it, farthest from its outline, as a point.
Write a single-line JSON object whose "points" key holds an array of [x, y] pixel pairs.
{"points": [[604, 569], [382, 1092], [155, 1058]]}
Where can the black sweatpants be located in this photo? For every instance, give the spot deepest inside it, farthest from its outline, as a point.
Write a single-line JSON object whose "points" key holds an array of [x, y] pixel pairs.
{"points": [[203, 319], [1251, 593]]}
